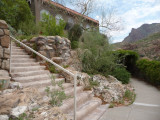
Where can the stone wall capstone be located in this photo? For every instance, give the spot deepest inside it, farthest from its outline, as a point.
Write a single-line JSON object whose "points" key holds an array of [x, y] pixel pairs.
{"points": [[4, 45]]}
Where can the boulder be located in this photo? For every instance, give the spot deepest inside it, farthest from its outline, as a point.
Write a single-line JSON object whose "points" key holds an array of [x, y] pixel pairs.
{"points": [[51, 40], [111, 79], [3, 24], [82, 78], [13, 85], [18, 97], [4, 73], [48, 48], [1, 32], [1, 52], [4, 117], [24, 41], [6, 31], [5, 64], [51, 37], [40, 42], [6, 53], [110, 89], [33, 39], [5, 41], [18, 111]]}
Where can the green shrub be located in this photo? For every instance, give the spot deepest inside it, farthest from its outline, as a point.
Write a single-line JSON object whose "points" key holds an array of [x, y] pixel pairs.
{"points": [[15, 12], [96, 55], [74, 44], [121, 74], [128, 58], [30, 28], [149, 70], [49, 26], [74, 35], [28, 37]]}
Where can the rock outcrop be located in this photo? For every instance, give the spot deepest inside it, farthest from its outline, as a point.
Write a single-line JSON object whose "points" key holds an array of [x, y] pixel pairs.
{"points": [[109, 89], [28, 101]]}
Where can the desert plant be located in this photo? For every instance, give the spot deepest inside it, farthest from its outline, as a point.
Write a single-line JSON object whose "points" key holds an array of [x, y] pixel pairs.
{"points": [[57, 94], [111, 105], [50, 28], [2, 83], [121, 74], [52, 68], [96, 55], [130, 96]]}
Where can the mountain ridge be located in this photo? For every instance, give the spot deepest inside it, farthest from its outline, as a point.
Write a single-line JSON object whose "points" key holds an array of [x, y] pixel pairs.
{"points": [[142, 32]]}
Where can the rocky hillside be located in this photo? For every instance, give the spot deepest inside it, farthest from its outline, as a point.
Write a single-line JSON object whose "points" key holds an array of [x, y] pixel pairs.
{"points": [[148, 47], [142, 32]]}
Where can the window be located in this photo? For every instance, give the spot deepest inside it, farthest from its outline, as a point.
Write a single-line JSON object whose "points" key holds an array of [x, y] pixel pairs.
{"points": [[71, 21], [58, 18], [42, 12], [87, 26]]}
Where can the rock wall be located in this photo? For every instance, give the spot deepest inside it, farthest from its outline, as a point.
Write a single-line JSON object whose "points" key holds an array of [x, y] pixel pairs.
{"points": [[4, 45], [50, 46]]}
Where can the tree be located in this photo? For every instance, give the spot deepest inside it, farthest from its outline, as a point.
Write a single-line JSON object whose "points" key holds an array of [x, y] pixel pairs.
{"points": [[107, 16], [15, 12]]}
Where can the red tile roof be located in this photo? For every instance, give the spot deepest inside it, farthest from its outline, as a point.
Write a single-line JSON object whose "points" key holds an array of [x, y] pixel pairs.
{"points": [[71, 11]]}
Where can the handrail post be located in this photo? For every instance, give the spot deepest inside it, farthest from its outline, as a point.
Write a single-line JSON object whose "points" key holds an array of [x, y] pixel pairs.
{"points": [[75, 96], [10, 56]]}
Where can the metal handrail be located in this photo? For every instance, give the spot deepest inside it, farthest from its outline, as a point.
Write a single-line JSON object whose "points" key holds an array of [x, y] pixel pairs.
{"points": [[55, 64]]}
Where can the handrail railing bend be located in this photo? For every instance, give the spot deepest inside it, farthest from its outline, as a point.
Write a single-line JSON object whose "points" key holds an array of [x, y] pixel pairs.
{"points": [[55, 64]]}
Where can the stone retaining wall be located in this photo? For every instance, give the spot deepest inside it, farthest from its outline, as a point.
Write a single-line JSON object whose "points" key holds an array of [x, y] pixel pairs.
{"points": [[4, 45], [50, 46]]}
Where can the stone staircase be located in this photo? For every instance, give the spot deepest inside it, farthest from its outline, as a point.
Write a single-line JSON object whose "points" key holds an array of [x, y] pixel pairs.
{"points": [[30, 73]]}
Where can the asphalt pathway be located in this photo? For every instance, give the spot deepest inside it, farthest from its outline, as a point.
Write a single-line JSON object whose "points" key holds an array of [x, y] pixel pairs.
{"points": [[145, 107]]}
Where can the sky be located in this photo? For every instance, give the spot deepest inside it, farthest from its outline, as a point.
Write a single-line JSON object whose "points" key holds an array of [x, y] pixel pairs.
{"points": [[131, 13]]}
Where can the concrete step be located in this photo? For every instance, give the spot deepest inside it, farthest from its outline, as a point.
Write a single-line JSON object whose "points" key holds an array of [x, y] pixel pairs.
{"points": [[20, 56], [65, 86], [69, 90], [23, 60], [42, 83], [19, 53], [18, 50], [68, 105], [25, 64], [15, 47], [30, 73], [32, 78], [25, 69], [97, 113], [88, 107]]}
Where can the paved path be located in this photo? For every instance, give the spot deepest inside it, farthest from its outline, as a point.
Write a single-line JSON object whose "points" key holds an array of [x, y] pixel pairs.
{"points": [[145, 107]]}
